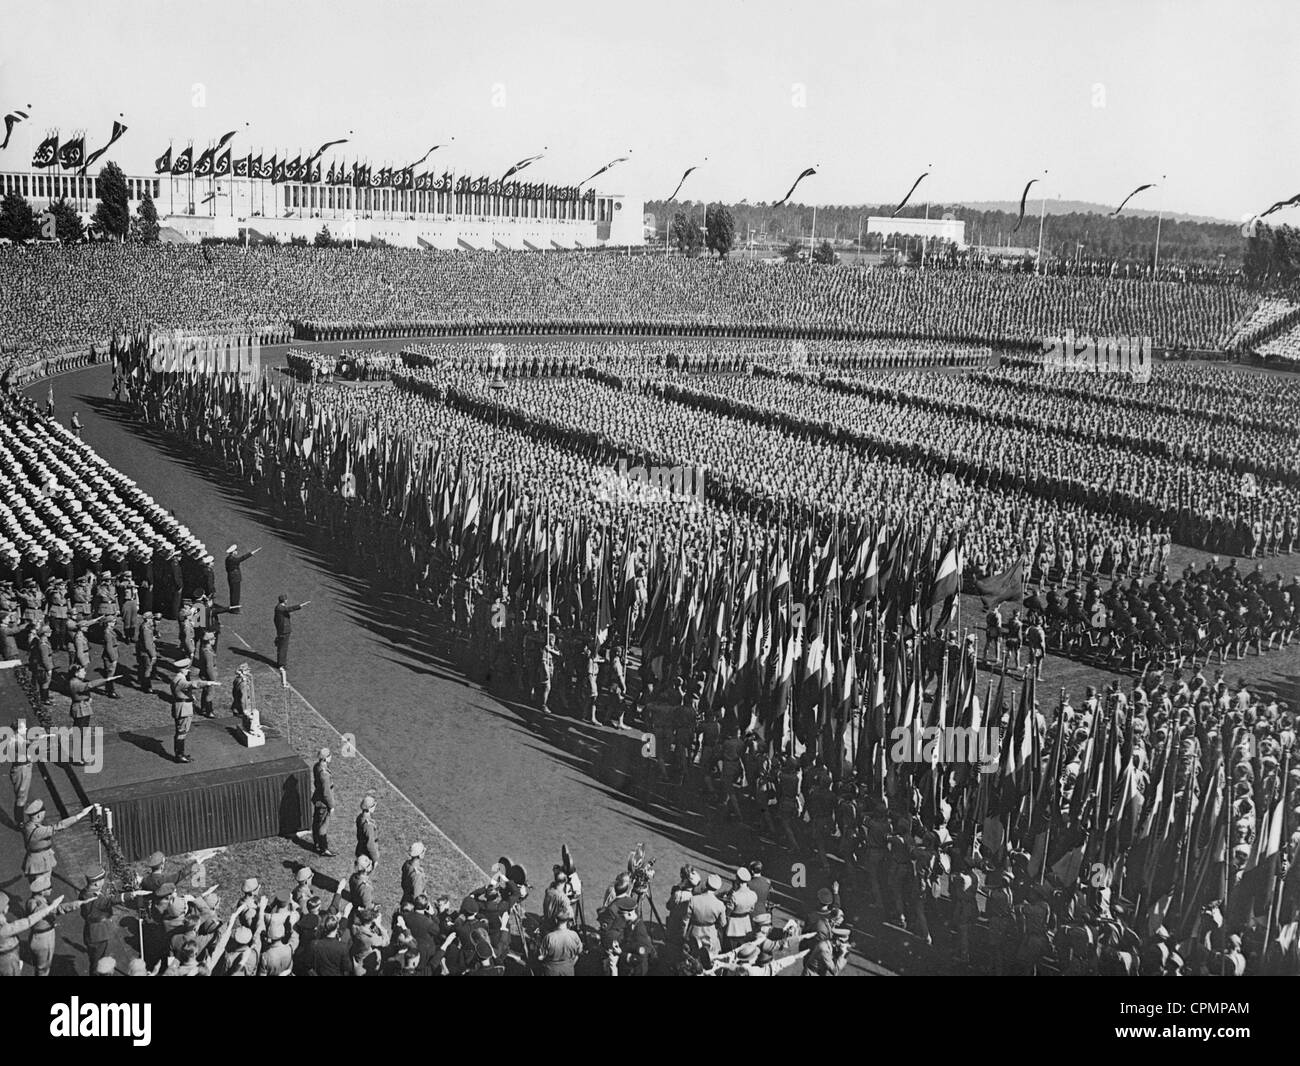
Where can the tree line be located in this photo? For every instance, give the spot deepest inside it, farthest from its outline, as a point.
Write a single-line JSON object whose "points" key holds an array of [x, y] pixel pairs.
{"points": [[112, 219], [1128, 238]]}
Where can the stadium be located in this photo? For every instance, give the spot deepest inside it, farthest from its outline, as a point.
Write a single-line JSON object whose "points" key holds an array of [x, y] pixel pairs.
{"points": [[931, 617]]}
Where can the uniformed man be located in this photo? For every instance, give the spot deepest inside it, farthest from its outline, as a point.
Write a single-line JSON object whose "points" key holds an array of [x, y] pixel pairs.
{"points": [[789, 799], [992, 635], [40, 944], [79, 693], [56, 613], [821, 812], [78, 645], [207, 665], [546, 653], [322, 802], [761, 886], [591, 681], [234, 575], [110, 659], [361, 892], [97, 908], [11, 628], [31, 602], [1015, 630], [38, 838], [40, 659], [302, 888], [20, 772], [367, 842], [185, 623], [243, 695], [241, 956], [80, 606], [146, 652], [129, 595], [707, 918], [617, 668], [156, 875], [560, 949], [741, 903], [283, 630], [184, 685], [730, 752], [11, 963], [413, 878]]}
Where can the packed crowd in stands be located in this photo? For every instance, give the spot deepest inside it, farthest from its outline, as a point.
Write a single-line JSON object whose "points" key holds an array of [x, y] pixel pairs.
{"points": [[58, 296]]}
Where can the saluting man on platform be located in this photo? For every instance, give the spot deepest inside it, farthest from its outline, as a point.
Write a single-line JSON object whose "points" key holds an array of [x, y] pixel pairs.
{"points": [[184, 685]]}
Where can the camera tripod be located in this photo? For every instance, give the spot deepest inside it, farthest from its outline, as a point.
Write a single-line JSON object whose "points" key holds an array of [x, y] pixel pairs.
{"points": [[644, 896]]}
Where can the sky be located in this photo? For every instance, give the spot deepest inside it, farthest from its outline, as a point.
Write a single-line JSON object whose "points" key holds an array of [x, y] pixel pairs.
{"points": [[1200, 96]]}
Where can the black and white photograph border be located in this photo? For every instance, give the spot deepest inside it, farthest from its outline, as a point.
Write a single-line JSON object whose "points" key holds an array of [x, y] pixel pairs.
{"points": [[428, 550]]}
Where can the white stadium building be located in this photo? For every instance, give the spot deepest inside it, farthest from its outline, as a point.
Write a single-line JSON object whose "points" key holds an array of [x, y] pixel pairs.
{"points": [[474, 214], [930, 229]]}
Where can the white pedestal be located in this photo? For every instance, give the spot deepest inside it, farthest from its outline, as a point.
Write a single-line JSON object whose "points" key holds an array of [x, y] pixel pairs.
{"points": [[252, 740]]}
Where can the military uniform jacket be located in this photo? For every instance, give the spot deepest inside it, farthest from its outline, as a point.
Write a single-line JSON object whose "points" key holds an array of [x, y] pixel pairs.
{"points": [[79, 691], [366, 842], [110, 643], [41, 655], [412, 878], [207, 663], [183, 697], [322, 785], [96, 916]]}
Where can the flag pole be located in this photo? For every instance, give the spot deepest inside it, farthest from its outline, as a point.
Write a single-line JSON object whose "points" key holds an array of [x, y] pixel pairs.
{"points": [[1273, 912], [1042, 215]]}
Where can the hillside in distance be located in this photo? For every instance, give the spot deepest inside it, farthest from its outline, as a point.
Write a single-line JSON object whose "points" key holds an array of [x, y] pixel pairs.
{"points": [[1084, 207]]}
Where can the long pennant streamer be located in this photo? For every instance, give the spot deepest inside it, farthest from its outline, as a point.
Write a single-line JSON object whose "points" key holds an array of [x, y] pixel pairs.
{"points": [[522, 164], [11, 120], [894, 213], [1023, 197], [119, 128], [609, 165], [806, 174], [689, 172], [1140, 188]]}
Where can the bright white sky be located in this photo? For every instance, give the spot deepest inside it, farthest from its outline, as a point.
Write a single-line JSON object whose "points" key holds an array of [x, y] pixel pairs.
{"points": [[984, 95]]}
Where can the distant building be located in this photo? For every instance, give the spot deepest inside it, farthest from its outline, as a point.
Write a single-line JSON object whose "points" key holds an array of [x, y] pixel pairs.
{"points": [[471, 215], [930, 229]]}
